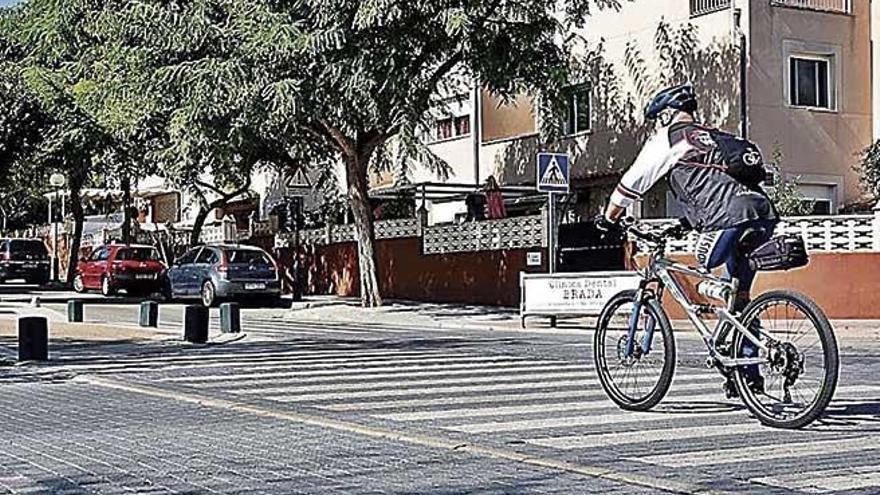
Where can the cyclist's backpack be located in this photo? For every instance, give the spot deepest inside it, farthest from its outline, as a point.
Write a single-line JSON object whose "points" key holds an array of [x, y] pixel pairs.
{"points": [[739, 158], [783, 252]]}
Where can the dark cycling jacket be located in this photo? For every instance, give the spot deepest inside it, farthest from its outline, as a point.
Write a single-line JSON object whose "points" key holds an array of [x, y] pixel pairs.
{"points": [[713, 199]]}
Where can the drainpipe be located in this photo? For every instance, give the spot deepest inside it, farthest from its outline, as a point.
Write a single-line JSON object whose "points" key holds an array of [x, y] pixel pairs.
{"points": [[476, 130], [743, 75]]}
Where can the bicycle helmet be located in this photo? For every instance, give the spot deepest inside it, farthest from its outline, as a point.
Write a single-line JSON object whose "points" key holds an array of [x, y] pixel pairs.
{"points": [[680, 98]]}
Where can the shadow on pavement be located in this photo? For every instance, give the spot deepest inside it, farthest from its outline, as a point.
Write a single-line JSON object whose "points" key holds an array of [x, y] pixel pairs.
{"points": [[454, 311]]}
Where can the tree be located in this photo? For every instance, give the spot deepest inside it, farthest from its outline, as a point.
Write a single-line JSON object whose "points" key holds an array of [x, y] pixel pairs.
{"points": [[785, 192], [869, 169], [47, 49], [21, 127], [213, 102], [362, 76]]}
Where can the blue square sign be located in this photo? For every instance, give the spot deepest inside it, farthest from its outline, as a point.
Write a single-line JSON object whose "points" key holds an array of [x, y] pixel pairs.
{"points": [[553, 172]]}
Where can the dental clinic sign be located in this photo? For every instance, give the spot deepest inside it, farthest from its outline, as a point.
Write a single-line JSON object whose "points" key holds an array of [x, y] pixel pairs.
{"points": [[573, 294]]}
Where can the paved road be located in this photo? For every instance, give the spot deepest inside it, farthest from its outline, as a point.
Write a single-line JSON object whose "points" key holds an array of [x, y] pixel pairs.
{"points": [[318, 408]]}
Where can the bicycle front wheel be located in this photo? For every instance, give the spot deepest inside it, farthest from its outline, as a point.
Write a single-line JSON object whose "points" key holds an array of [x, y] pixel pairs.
{"points": [[797, 379], [639, 379]]}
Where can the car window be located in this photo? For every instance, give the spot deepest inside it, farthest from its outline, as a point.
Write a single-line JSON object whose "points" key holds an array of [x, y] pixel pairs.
{"points": [[247, 257], [208, 256], [188, 257], [99, 254], [28, 247], [137, 254], [104, 254], [4, 246]]}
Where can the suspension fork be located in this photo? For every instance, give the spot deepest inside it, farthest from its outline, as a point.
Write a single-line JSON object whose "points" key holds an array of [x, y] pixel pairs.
{"points": [[645, 347]]}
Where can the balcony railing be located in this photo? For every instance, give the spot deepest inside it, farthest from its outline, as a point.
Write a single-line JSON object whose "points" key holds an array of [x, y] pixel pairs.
{"points": [[702, 7], [841, 6]]}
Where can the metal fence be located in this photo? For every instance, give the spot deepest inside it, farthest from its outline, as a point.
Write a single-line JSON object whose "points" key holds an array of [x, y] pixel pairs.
{"points": [[843, 6], [702, 7]]}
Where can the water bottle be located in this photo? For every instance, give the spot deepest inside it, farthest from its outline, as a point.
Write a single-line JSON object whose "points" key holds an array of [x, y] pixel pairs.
{"points": [[714, 290]]}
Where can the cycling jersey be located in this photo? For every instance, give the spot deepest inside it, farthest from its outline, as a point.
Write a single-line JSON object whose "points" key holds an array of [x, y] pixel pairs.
{"points": [[713, 199]]}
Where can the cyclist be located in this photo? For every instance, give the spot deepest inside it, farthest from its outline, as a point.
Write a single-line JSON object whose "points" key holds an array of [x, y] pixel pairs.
{"points": [[725, 204]]}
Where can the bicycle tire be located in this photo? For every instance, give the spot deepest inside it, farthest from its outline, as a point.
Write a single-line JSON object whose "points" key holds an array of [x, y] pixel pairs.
{"points": [[606, 378], [829, 349]]}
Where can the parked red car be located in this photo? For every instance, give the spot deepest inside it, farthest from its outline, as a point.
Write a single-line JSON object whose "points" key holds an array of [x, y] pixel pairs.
{"points": [[136, 269]]}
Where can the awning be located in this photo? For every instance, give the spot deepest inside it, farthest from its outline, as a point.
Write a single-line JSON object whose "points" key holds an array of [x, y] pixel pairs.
{"points": [[444, 192]]}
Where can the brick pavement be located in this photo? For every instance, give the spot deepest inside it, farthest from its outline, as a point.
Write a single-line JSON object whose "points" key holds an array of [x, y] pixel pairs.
{"points": [[69, 438]]}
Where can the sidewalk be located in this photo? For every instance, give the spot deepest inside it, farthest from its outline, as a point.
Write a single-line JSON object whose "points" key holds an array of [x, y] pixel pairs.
{"points": [[410, 314]]}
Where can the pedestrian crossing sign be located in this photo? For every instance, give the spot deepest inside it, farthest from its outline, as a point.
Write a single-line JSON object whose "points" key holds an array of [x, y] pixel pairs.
{"points": [[297, 183], [553, 172]]}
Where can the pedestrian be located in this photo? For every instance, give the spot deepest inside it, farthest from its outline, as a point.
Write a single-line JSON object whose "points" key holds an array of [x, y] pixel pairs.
{"points": [[494, 199]]}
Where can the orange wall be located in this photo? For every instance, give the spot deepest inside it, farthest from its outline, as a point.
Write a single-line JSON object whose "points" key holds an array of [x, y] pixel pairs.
{"points": [[489, 277], [845, 285]]}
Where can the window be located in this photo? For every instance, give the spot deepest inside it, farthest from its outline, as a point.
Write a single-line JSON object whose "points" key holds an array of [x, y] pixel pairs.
{"points": [[810, 81], [102, 254], [702, 7], [137, 254], [452, 127], [189, 257], [820, 206], [247, 257], [207, 257], [577, 109]]}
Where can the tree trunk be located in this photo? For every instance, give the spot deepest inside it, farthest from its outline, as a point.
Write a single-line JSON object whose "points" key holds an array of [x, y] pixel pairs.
{"points": [[76, 208], [358, 196], [126, 206], [198, 224]]}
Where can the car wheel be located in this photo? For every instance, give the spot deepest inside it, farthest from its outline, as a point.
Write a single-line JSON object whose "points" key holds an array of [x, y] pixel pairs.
{"points": [[209, 294], [78, 285], [106, 289]]}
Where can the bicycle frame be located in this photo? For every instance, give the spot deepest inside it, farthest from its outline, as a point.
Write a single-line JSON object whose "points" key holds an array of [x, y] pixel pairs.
{"points": [[659, 271]]}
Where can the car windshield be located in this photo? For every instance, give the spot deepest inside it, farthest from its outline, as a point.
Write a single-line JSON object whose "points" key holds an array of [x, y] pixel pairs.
{"points": [[29, 247], [247, 257], [138, 254]]}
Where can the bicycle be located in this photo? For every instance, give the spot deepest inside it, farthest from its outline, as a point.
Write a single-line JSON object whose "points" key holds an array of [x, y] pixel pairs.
{"points": [[628, 347]]}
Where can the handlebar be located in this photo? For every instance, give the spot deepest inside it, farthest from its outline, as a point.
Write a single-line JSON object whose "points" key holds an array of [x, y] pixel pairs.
{"points": [[674, 232]]}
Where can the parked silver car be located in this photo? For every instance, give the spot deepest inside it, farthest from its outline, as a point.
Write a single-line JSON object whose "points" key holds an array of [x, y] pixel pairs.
{"points": [[218, 272]]}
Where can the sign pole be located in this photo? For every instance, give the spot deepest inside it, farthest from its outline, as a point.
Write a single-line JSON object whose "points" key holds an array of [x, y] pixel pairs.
{"points": [[551, 242]]}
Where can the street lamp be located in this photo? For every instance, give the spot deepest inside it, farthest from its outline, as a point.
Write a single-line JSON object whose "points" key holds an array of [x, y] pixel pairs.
{"points": [[57, 181]]}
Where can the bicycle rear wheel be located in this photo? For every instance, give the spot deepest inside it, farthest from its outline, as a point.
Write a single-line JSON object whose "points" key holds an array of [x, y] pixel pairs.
{"points": [[801, 364], [640, 381]]}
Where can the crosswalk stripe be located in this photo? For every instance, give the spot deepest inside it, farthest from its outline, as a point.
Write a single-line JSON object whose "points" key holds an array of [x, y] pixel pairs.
{"points": [[446, 401], [304, 363], [292, 394], [492, 399], [832, 480], [256, 357], [646, 436], [600, 402], [398, 371], [294, 385], [584, 420], [764, 452]]}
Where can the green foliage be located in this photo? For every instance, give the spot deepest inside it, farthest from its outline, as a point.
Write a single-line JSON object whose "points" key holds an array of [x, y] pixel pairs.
{"points": [[785, 192], [869, 169]]}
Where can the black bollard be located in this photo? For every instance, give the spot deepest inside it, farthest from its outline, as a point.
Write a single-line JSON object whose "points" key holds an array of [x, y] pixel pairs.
{"points": [[33, 338], [195, 324], [75, 311], [149, 315], [230, 318]]}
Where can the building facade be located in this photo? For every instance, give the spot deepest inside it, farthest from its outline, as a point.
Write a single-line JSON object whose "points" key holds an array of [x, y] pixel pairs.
{"points": [[799, 77]]}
